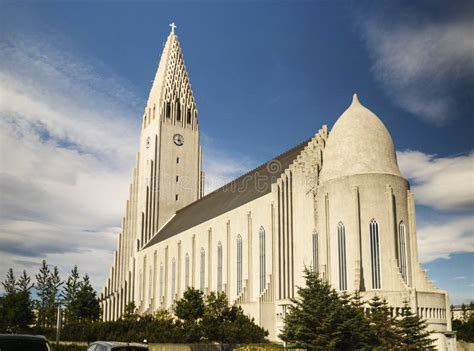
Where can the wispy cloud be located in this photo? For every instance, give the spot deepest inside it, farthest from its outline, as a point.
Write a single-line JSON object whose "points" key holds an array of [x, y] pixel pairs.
{"points": [[420, 64], [441, 239], [67, 137], [444, 183], [460, 278]]}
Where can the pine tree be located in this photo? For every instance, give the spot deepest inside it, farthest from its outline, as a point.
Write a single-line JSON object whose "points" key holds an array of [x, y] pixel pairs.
{"points": [[42, 288], [24, 282], [88, 307], [386, 335], [71, 289], [10, 284], [320, 319], [414, 335]]}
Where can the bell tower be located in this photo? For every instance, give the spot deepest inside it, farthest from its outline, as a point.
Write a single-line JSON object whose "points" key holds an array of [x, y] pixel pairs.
{"points": [[169, 160]]}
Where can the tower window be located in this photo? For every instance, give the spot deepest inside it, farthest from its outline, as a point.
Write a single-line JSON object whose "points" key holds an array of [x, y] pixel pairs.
{"points": [[178, 111], [177, 160], [177, 197], [177, 179], [375, 253], [168, 110], [341, 249], [188, 116], [161, 280]]}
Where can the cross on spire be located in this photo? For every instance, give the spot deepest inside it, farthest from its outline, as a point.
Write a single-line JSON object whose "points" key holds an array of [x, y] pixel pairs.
{"points": [[173, 27]]}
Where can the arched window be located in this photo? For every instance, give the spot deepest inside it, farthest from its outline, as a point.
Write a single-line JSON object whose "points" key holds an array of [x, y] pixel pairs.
{"points": [[168, 110], [375, 253], [173, 278], [161, 280], [203, 269], [261, 236], [150, 283], [315, 252], [341, 250], [402, 251], [186, 271], [219, 267], [239, 264]]}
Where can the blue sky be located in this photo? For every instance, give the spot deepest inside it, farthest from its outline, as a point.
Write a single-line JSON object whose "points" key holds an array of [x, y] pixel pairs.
{"points": [[75, 77]]}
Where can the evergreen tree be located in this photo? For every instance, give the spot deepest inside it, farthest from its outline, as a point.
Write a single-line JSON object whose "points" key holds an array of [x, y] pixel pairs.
{"points": [[130, 312], [386, 335], [190, 310], [320, 320], [87, 305], [42, 288], [71, 289], [10, 284], [414, 335], [16, 309], [47, 285], [24, 282]]}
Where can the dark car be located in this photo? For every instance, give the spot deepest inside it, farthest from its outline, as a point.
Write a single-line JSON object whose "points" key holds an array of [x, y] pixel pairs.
{"points": [[116, 346], [18, 342]]}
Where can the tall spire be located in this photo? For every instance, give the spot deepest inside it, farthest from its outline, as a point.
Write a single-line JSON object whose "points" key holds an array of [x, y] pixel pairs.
{"points": [[171, 83]]}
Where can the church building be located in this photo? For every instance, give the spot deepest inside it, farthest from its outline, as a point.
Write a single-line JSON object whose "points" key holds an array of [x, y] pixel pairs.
{"points": [[336, 203]]}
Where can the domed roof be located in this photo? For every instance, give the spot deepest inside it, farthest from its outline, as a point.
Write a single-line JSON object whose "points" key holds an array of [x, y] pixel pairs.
{"points": [[358, 143]]}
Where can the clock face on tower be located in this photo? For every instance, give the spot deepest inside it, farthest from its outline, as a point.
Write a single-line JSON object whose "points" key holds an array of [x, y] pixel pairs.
{"points": [[178, 139]]}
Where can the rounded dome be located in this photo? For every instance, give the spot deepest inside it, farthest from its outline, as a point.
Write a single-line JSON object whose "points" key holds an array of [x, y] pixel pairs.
{"points": [[358, 143]]}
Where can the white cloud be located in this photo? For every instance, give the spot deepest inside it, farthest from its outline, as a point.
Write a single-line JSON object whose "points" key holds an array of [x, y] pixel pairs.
{"points": [[460, 278], [443, 183], [67, 141], [439, 240], [419, 63]]}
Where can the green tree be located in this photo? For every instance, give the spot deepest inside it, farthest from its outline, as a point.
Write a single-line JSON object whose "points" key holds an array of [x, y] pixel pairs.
{"points": [[24, 282], [86, 305], [386, 335], [130, 312], [465, 325], [319, 319], [71, 289], [414, 335], [16, 309], [190, 310], [10, 284], [47, 286]]}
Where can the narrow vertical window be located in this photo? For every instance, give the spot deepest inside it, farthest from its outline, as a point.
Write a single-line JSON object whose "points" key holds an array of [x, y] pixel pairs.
{"points": [[178, 110], [168, 110], [315, 252], [239, 264], [188, 118], [402, 251], [261, 236], [186, 271], [161, 281], [150, 284], [173, 278], [341, 248], [203, 270], [219, 267], [375, 253]]}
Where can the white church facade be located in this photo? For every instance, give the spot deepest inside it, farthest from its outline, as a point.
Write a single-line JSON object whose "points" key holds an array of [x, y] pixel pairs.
{"points": [[336, 203]]}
